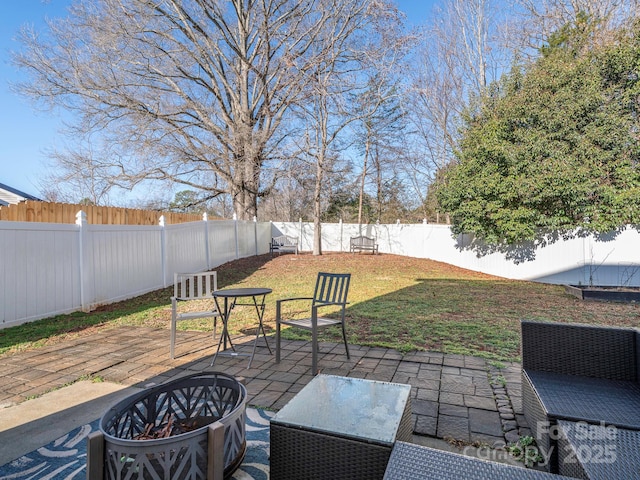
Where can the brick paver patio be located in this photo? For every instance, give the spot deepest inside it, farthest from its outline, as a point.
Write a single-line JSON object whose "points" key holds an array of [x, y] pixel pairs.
{"points": [[463, 398]]}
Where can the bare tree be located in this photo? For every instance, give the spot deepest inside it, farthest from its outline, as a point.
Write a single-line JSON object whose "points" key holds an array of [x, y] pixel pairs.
{"points": [[186, 91], [378, 135], [291, 197], [325, 111], [536, 20], [324, 119], [459, 55], [378, 106], [79, 177]]}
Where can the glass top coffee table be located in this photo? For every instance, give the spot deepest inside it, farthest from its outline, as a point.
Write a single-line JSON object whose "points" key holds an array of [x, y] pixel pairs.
{"points": [[340, 427]]}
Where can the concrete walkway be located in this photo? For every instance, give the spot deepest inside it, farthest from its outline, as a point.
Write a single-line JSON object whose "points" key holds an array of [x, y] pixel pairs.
{"points": [[456, 400]]}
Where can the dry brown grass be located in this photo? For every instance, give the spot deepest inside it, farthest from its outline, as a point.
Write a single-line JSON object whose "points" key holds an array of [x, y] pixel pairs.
{"points": [[398, 302]]}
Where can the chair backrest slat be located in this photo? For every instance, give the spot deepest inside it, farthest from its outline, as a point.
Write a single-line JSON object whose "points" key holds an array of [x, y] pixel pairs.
{"points": [[332, 288], [191, 286], [192, 282]]}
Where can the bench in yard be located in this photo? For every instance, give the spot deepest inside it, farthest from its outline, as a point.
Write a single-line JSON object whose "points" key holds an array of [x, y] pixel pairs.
{"points": [[578, 373], [283, 243], [362, 243]]}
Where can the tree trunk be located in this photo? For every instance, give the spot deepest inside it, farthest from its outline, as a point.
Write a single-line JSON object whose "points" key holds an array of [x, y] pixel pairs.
{"points": [[244, 205], [244, 189], [364, 174], [379, 190], [317, 208]]}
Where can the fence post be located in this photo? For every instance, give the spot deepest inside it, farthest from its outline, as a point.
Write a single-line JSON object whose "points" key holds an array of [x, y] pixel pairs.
{"points": [[235, 224], [341, 235], [205, 219], [255, 233], [300, 234], [81, 220], [163, 249]]}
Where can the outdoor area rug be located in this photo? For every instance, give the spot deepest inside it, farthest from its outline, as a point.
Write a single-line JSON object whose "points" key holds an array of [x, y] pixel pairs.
{"points": [[65, 458]]}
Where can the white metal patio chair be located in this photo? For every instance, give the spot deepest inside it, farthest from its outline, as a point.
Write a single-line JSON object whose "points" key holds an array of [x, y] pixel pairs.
{"points": [[192, 286]]}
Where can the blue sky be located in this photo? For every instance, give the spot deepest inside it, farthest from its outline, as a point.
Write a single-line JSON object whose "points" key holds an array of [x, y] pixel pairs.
{"points": [[27, 134]]}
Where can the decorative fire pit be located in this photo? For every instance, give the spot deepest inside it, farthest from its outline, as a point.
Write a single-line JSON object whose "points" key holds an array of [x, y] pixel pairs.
{"points": [[174, 430]]}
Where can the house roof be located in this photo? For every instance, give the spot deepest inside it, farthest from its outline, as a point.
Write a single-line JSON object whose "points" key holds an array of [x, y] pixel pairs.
{"points": [[12, 195]]}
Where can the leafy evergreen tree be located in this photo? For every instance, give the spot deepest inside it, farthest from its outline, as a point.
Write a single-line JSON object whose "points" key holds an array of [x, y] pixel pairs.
{"points": [[554, 146]]}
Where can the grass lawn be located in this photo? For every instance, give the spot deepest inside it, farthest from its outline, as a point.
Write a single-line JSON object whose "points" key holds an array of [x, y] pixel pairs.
{"points": [[398, 302]]}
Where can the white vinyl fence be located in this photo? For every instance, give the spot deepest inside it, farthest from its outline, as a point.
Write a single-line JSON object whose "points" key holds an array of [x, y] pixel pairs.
{"points": [[48, 269], [608, 260]]}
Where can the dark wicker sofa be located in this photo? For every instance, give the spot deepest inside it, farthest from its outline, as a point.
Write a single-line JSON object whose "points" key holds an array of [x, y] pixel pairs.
{"points": [[578, 373], [415, 462]]}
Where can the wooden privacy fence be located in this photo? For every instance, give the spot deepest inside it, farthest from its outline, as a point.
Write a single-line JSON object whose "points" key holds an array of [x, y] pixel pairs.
{"points": [[51, 212]]}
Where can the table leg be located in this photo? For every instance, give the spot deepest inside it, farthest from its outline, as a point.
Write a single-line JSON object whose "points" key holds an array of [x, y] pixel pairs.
{"points": [[225, 331], [261, 324], [260, 312]]}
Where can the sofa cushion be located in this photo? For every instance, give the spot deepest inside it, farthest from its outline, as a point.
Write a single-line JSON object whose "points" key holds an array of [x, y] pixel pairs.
{"points": [[594, 400]]}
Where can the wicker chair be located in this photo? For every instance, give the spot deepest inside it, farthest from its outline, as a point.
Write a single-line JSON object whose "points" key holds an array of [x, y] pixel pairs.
{"points": [[578, 373], [331, 290]]}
